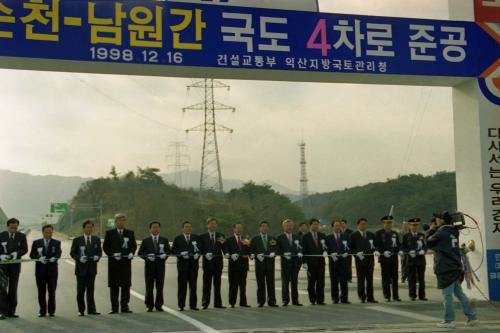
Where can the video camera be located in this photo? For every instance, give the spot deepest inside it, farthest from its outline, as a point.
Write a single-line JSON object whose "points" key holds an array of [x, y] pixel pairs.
{"points": [[455, 219]]}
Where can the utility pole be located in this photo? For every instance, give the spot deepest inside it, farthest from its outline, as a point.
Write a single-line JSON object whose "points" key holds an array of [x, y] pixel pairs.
{"points": [[178, 164], [211, 174]]}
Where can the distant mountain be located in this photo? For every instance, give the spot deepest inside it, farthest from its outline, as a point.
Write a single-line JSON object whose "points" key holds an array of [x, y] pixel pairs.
{"points": [[28, 197]]}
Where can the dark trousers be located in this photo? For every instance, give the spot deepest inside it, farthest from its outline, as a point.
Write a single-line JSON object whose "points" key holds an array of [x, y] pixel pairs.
{"points": [[404, 268], [416, 274], [124, 293], [11, 297], [390, 278], [154, 277], [349, 268], [212, 275], [185, 277], [338, 278], [47, 285], [289, 280], [364, 274], [85, 285], [264, 273], [316, 281], [237, 280]]}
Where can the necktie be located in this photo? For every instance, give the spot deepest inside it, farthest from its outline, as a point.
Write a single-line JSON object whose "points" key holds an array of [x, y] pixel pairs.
{"points": [[315, 237], [238, 241], [187, 239], [364, 235], [46, 244], [290, 240], [120, 233], [337, 236], [155, 243], [212, 239], [87, 241], [264, 240]]}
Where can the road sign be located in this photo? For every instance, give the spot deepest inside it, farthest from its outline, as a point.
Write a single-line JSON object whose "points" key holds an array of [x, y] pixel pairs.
{"points": [[61, 207], [181, 39], [110, 223]]}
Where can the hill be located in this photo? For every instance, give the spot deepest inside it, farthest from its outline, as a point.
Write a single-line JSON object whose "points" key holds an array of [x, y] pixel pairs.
{"points": [[412, 196]]}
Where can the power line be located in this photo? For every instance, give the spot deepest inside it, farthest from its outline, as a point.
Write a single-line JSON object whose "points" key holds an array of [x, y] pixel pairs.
{"points": [[178, 164]]}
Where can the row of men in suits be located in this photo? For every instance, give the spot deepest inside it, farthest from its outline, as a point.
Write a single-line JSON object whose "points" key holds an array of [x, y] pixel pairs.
{"points": [[307, 249]]}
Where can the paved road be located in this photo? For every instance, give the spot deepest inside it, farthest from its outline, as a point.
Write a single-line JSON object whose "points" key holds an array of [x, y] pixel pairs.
{"points": [[384, 317]]}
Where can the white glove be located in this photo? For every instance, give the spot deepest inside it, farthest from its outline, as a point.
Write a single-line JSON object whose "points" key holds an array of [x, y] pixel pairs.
{"points": [[260, 256], [209, 256], [13, 255], [421, 252], [196, 256], [235, 256], [151, 257], [401, 253], [163, 256], [53, 260], [300, 255], [117, 256], [387, 254], [83, 259], [334, 256], [360, 255], [345, 255], [4, 257], [185, 254], [130, 256], [252, 256], [226, 255], [325, 254], [272, 255], [376, 254], [305, 267], [287, 255], [413, 254], [43, 260], [96, 258]]}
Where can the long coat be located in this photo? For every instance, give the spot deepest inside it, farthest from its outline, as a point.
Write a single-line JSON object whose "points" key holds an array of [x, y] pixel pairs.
{"points": [[119, 271]]}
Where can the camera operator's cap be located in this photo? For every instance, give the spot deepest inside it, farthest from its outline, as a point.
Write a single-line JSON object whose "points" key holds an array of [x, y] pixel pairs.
{"points": [[444, 216], [415, 220], [120, 216], [388, 218]]}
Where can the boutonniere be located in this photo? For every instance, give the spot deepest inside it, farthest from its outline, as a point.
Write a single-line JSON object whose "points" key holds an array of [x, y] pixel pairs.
{"points": [[272, 242], [4, 245], [221, 239], [125, 242]]}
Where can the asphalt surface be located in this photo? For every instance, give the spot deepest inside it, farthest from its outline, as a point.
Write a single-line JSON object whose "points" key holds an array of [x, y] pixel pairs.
{"points": [[406, 316]]}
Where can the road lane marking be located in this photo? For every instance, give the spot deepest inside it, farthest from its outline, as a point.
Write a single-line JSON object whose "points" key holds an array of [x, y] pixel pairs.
{"points": [[196, 323], [402, 313]]}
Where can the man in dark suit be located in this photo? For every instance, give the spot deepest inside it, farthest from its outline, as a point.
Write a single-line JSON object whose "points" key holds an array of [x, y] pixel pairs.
{"points": [[263, 248], [347, 233], [388, 249], [303, 229], [120, 246], [336, 243], [186, 247], [211, 244], [236, 250], [315, 252], [154, 250], [290, 250], [415, 246], [362, 246], [86, 251], [13, 246], [47, 251]]}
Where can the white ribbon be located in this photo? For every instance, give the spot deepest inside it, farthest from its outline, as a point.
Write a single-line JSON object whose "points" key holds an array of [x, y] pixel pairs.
{"points": [[345, 245], [394, 243], [195, 247], [4, 244], [82, 251], [125, 242], [371, 244], [297, 243], [323, 245], [162, 248], [40, 251]]}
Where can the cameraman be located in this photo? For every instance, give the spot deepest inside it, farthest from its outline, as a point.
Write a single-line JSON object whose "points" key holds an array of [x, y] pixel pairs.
{"points": [[442, 237]]}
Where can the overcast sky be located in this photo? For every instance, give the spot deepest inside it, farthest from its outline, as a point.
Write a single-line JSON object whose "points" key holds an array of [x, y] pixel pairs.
{"points": [[80, 124]]}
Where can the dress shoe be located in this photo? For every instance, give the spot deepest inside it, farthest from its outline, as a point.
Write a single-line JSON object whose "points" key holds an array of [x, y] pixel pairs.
{"points": [[219, 307], [194, 309], [245, 306], [423, 299], [52, 314], [387, 299], [285, 304], [413, 298], [2, 317], [149, 310], [336, 301], [159, 309], [204, 307], [112, 312], [260, 305], [345, 302], [321, 303], [12, 315], [41, 315], [232, 306], [127, 311], [273, 305], [297, 304], [372, 301], [94, 313], [397, 299], [81, 314], [181, 309], [363, 301]]}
